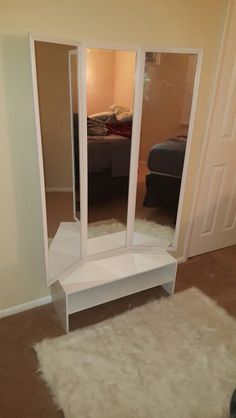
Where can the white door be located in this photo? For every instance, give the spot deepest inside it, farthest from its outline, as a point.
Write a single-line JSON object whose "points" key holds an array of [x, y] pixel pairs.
{"points": [[214, 224]]}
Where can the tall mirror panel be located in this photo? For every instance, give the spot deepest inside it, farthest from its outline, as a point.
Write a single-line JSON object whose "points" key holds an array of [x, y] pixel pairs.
{"points": [[167, 100], [57, 99], [110, 78]]}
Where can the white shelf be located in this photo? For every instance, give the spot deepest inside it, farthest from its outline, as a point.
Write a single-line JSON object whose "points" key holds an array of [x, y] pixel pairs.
{"points": [[108, 278], [108, 269], [64, 250]]}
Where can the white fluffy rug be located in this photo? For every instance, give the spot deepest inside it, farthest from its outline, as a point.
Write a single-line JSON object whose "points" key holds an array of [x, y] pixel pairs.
{"points": [[170, 358]]}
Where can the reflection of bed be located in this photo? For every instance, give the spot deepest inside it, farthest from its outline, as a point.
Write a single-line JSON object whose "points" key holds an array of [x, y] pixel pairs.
{"points": [[108, 165], [165, 162]]}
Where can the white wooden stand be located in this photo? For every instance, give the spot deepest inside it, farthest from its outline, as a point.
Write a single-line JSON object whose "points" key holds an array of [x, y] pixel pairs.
{"points": [[79, 277], [108, 278]]}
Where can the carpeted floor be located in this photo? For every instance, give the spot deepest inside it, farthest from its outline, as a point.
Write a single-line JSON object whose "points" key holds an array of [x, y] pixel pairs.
{"points": [[173, 357], [23, 394]]}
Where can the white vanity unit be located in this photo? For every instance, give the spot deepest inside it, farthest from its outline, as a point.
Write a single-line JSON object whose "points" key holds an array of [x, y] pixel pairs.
{"points": [[107, 277], [114, 130]]}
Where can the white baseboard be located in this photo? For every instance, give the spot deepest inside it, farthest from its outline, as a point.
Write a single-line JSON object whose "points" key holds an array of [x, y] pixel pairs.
{"points": [[59, 189], [25, 306]]}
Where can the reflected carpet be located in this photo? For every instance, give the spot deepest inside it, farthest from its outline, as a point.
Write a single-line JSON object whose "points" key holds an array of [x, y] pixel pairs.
{"points": [[142, 226]]}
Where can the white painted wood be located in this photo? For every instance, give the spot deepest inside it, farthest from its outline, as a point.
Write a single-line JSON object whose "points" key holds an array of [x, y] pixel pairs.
{"points": [[110, 45], [106, 243], [60, 302], [104, 279], [64, 250], [25, 306], [166, 50], [32, 40], [54, 39], [135, 151], [214, 217], [40, 151], [169, 287], [109, 278], [135, 144], [137, 108], [117, 289], [138, 103], [181, 260], [83, 147], [98, 278], [102, 270], [70, 55]]}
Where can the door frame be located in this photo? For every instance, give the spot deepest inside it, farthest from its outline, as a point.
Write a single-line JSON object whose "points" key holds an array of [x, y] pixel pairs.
{"points": [[198, 176]]}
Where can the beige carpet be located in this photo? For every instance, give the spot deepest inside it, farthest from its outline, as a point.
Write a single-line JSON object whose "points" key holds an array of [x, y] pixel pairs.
{"points": [[170, 358]]}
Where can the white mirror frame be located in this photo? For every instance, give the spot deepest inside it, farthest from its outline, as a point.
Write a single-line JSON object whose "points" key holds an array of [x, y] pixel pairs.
{"points": [[135, 141], [70, 54], [135, 138], [199, 54]]}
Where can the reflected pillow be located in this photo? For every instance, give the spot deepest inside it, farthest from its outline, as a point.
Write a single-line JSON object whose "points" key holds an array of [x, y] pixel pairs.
{"points": [[102, 116], [125, 117], [117, 109]]}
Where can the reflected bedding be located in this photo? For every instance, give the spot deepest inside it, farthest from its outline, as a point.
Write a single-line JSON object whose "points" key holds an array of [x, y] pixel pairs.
{"points": [[165, 162], [109, 152], [108, 160], [168, 157], [109, 146]]}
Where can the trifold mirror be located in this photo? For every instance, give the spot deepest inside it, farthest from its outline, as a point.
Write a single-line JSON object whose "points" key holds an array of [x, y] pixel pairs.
{"points": [[113, 127]]}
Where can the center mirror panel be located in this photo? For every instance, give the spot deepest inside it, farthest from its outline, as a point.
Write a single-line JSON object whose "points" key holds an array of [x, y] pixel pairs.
{"points": [[167, 101], [110, 78]]}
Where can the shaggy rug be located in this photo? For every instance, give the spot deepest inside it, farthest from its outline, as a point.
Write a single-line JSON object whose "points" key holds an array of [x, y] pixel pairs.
{"points": [[175, 357]]}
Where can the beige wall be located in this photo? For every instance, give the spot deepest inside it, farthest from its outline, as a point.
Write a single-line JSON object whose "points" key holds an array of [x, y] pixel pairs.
{"points": [[54, 104], [163, 101], [124, 78], [110, 79], [100, 80], [175, 24]]}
